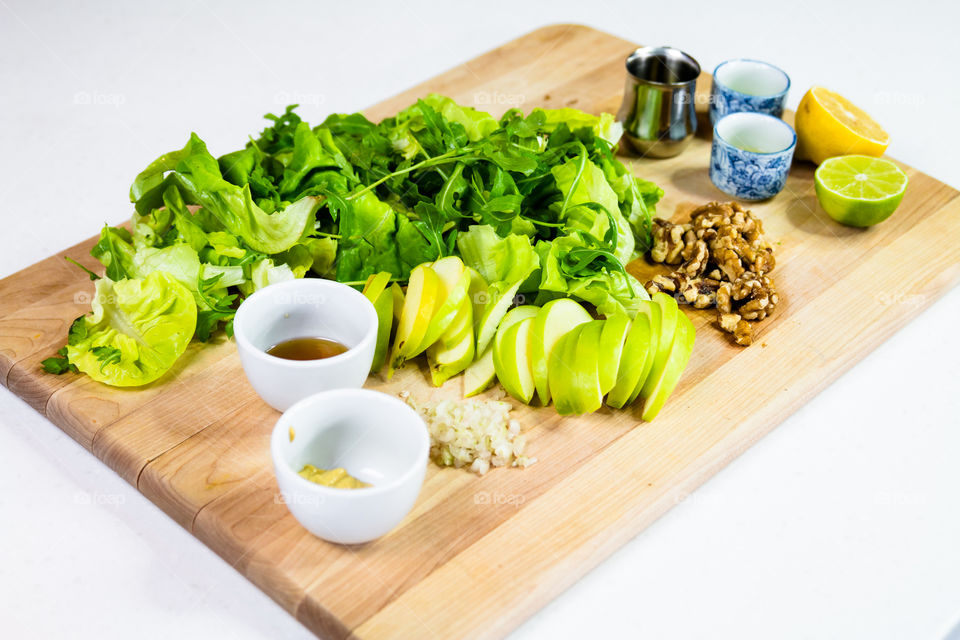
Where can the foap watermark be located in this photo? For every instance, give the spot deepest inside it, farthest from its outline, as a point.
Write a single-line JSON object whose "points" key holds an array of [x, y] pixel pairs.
{"points": [[312, 299], [496, 498], [99, 99], [298, 498], [109, 499], [901, 298], [484, 297], [498, 98], [899, 498], [297, 97], [899, 98]]}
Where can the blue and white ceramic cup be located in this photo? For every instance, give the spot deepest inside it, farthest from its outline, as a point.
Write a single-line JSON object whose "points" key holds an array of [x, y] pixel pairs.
{"points": [[747, 85], [751, 155]]}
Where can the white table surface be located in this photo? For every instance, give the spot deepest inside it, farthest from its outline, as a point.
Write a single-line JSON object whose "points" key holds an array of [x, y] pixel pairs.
{"points": [[843, 522]]}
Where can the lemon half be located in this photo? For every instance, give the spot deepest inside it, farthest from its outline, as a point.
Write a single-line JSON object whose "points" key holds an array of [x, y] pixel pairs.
{"points": [[829, 125]]}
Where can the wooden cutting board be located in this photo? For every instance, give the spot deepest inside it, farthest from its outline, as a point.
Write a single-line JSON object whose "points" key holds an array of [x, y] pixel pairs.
{"points": [[479, 555]]}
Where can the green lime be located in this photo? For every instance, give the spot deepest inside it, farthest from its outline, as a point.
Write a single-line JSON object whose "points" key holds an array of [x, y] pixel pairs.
{"points": [[859, 190]]}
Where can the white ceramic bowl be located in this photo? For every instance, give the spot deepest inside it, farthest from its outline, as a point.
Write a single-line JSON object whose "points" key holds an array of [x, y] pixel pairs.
{"points": [[308, 307], [376, 437]]}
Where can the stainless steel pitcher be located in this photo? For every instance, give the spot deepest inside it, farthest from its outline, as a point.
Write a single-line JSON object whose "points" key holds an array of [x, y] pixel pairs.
{"points": [[658, 110]]}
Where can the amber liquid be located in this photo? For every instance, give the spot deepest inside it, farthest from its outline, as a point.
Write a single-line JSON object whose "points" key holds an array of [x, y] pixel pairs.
{"points": [[306, 349]]}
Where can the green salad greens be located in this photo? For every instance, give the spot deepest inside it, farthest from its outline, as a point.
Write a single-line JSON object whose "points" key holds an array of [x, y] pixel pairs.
{"points": [[538, 204]]}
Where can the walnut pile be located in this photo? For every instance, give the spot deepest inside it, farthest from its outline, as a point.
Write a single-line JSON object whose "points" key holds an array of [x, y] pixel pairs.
{"points": [[723, 262]]}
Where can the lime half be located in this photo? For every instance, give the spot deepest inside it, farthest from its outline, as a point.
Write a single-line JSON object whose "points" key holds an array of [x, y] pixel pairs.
{"points": [[859, 190]]}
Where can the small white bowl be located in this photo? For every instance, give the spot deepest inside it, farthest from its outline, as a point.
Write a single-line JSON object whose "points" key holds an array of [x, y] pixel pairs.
{"points": [[309, 307], [376, 437]]}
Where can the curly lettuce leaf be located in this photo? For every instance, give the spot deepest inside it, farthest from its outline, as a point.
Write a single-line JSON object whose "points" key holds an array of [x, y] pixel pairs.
{"points": [[477, 124], [572, 266], [196, 174], [323, 254], [137, 330], [604, 126], [582, 183], [502, 262]]}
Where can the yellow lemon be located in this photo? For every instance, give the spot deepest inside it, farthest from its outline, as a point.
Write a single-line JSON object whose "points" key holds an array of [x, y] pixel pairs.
{"points": [[829, 125]]}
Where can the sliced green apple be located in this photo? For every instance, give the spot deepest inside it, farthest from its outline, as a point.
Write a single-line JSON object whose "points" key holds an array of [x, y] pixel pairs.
{"points": [[510, 318], [614, 334], [479, 296], [454, 286], [655, 314], [397, 292], [677, 361], [454, 351], [423, 291], [375, 285], [560, 368], [479, 375], [384, 307], [636, 358], [554, 319], [376, 292], [511, 359], [586, 369], [494, 310], [668, 327], [513, 316]]}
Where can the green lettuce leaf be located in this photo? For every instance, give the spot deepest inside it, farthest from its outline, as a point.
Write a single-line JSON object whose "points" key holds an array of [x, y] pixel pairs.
{"points": [[367, 239], [604, 126], [501, 261], [477, 124], [582, 182], [137, 330], [323, 254], [264, 273], [573, 267], [197, 175]]}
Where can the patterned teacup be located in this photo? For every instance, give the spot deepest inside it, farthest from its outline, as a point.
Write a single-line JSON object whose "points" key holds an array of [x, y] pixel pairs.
{"points": [[751, 155], [747, 85]]}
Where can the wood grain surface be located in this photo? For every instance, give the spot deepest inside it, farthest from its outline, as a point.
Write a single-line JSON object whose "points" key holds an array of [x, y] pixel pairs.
{"points": [[478, 555]]}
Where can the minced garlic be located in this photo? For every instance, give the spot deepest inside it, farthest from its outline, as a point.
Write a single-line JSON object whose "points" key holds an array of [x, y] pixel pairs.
{"points": [[478, 434]]}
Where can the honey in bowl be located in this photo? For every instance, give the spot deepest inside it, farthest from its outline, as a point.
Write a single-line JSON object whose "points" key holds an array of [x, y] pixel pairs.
{"points": [[307, 349]]}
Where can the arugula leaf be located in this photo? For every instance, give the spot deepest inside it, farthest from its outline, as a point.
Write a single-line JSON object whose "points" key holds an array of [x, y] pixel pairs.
{"points": [[58, 364], [115, 252]]}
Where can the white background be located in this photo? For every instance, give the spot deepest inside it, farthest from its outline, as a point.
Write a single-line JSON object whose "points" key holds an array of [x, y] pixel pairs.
{"points": [[844, 522]]}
